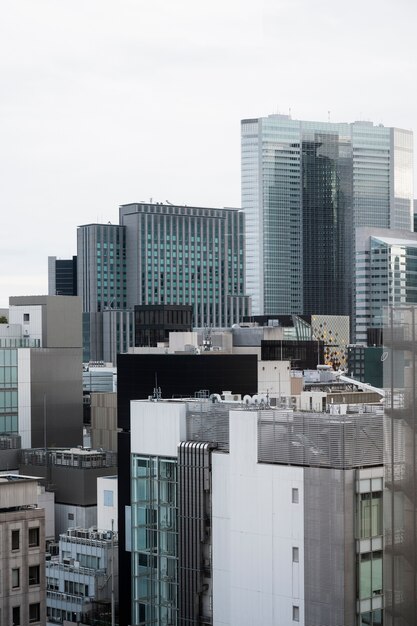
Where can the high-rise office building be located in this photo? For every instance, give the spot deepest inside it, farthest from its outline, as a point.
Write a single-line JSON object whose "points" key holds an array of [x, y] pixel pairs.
{"points": [[306, 186], [187, 256], [385, 275], [159, 255], [62, 276], [101, 255]]}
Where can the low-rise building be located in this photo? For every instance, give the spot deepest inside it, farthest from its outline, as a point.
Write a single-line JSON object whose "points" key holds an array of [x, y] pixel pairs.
{"points": [[22, 552], [82, 580]]}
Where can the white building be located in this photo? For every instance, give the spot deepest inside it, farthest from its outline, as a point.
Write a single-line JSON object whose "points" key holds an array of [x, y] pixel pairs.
{"points": [[107, 503], [254, 516]]}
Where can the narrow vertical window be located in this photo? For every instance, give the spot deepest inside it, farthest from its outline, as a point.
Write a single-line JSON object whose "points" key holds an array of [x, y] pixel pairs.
{"points": [[295, 613], [295, 495], [295, 555]]}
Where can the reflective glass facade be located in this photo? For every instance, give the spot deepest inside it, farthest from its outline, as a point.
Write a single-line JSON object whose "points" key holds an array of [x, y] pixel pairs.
{"points": [[8, 391], [305, 187], [154, 541], [385, 274]]}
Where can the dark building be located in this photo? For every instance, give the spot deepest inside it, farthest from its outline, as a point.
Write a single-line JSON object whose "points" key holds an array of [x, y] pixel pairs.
{"points": [[62, 276], [179, 375], [153, 323], [303, 355], [365, 363]]}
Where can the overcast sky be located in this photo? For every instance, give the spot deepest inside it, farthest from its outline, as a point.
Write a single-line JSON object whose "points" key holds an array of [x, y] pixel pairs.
{"points": [[108, 102]]}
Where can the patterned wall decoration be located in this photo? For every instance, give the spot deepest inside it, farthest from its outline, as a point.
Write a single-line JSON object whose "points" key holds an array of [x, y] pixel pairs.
{"points": [[334, 331]]}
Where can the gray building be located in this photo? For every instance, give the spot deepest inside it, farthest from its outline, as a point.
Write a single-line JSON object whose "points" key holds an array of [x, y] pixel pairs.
{"points": [[40, 371], [186, 255], [80, 579], [159, 254], [22, 554], [101, 275], [400, 461], [305, 187], [385, 275], [62, 276], [72, 474]]}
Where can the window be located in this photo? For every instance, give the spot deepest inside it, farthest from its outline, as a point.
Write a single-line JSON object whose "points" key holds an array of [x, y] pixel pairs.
{"points": [[295, 555], [15, 539], [34, 575], [295, 496], [70, 516], [15, 578], [34, 613], [16, 615], [295, 613], [108, 497], [33, 537], [26, 317]]}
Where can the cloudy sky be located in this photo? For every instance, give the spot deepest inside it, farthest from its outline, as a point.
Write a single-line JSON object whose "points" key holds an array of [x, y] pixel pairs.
{"points": [[108, 102]]}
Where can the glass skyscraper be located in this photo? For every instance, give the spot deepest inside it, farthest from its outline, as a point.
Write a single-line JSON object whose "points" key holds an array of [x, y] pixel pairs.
{"points": [[385, 275], [306, 186]]}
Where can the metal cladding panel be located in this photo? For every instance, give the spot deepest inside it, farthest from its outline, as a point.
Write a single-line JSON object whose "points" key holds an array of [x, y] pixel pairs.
{"points": [[329, 547], [400, 465], [208, 421], [194, 532], [320, 439]]}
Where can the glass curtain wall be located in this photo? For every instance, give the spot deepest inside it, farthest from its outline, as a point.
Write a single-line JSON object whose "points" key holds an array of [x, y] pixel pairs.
{"points": [[154, 541]]}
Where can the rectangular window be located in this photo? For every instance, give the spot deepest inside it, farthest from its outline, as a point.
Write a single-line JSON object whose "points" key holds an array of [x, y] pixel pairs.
{"points": [[295, 555], [108, 497], [15, 578], [295, 496], [26, 317], [34, 575], [15, 539], [70, 516], [33, 537], [34, 613], [16, 615], [295, 613]]}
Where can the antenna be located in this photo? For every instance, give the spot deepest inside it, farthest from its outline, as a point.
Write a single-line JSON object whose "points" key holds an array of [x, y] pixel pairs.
{"points": [[289, 112], [156, 390], [328, 116]]}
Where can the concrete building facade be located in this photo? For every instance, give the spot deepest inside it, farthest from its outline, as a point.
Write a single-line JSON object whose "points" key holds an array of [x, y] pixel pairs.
{"points": [[22, 555], [40, 377]]}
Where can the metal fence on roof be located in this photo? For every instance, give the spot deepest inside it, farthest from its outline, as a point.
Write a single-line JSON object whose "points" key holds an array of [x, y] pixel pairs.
{"points": [[320, 439]]}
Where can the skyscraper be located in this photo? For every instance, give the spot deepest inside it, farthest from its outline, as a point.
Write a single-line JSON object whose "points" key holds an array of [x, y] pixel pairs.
{"points": [[159, 254], [306, 186], [186, 256], [385, 275]]}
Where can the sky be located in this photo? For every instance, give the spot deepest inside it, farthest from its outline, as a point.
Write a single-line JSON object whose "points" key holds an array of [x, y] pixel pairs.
{"points": [[108, 102]]}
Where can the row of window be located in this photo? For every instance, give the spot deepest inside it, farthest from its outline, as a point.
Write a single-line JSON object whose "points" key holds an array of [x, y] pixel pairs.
{"points": [[33, 538], [33, 576], [34, 614]]}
